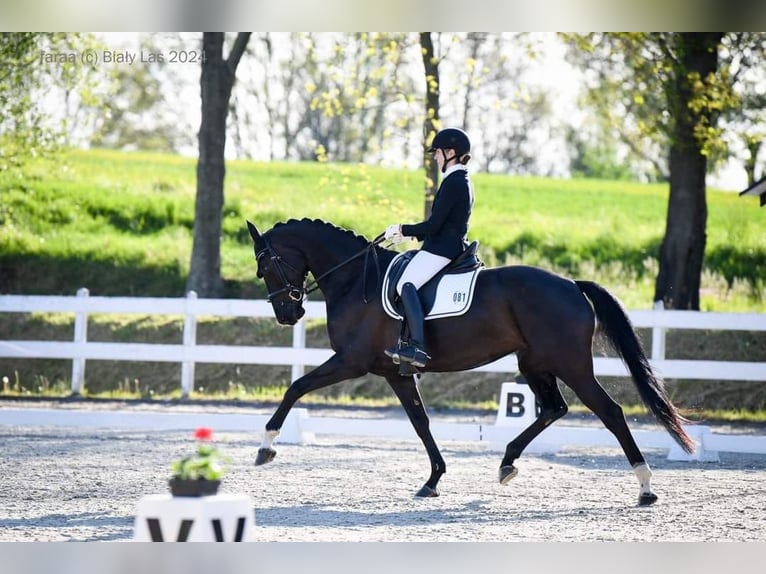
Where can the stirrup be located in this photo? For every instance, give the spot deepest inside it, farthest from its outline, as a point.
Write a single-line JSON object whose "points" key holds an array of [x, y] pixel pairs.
{"points": [[393, 352], [413, 356]]}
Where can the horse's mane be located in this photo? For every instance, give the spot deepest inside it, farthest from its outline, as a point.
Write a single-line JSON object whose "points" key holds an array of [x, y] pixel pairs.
{"points": [[324, 225]]}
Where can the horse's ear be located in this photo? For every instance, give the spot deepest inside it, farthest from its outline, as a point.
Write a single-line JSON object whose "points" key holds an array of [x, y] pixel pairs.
{"points": [[254, 234]]}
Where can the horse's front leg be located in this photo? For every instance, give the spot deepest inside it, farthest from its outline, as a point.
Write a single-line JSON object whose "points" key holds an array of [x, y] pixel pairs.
{"points": [[409, 395], [332, 371]]}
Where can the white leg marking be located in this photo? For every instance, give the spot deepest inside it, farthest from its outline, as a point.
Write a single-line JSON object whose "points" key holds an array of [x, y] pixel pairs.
{"points": [[268, 438], [644, 475]]}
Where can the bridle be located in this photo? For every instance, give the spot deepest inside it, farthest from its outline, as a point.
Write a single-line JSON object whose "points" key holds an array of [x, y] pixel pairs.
{"points": [[298, 294], [294, 293]]}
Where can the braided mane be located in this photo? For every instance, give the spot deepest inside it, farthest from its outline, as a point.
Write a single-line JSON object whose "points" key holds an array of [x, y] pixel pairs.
{"points": [[323, 225]]}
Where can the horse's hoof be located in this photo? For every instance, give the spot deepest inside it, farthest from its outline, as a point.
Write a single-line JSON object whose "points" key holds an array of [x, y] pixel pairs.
{"points": [[647, 499], [265, 455], [427, 492], [507, 473]]}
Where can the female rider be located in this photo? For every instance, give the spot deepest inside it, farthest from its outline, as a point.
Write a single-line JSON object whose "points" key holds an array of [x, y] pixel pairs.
{"points": [[443, 235]]}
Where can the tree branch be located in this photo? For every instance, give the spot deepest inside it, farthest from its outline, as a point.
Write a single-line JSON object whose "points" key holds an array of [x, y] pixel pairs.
{"points": [[666, 50], [237, 50]]}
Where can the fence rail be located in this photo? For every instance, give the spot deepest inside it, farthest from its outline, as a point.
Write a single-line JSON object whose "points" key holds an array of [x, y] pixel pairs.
{"points": [[298, 356]]}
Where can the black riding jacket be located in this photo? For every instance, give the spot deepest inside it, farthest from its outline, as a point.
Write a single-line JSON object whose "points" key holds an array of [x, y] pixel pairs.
{"points": [[444, 232]]}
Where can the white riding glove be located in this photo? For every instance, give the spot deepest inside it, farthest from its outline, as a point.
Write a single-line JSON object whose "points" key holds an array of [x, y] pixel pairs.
{"points": [[394, 233]]}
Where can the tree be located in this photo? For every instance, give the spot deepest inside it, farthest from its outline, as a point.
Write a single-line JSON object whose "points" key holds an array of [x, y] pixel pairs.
{"points": [[695, 63], [141, 112], [595, 157], [351, 87], [744, 124], [666, 90], [431, 123], [216, 83], [355, 98], [39, 68], [506, 114]]}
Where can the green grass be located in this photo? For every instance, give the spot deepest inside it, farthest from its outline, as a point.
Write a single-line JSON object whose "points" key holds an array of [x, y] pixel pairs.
{"points": [[121, 224]]}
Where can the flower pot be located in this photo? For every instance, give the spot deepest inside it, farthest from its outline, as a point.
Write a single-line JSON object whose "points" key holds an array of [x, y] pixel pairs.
{"points": [[193, 486]]}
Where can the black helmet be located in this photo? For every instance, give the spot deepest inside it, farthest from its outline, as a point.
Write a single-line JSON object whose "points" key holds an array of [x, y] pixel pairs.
{"points": [[452, 138]]}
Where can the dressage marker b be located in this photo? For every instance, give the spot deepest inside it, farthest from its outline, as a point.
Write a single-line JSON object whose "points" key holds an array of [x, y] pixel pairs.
{"points": [[219, 518], [517, 406], [517, 409]]}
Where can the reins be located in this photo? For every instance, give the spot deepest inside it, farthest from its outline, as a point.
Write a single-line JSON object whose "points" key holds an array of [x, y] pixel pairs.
{"points": [[370, 248], [299, 293]]}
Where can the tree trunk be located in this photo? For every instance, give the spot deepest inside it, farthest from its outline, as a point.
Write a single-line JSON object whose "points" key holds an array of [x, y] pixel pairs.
{"points": [[683, 246], [216, 82], [753, 149], [431, 122]]}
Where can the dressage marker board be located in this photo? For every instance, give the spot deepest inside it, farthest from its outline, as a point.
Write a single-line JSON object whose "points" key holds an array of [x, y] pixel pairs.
{"points": [[217, 518]]}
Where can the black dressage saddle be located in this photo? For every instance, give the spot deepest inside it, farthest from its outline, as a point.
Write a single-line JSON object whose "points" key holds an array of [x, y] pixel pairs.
{"points": [[468, 260]]}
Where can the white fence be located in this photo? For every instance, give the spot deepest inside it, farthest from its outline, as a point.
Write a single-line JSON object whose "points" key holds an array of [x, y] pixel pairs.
{"points": [[299, 427], [188, 352]]}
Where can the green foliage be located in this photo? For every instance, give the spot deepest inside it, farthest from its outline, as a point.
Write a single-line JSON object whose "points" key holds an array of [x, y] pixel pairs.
{"points": [[121, 224], [205, 463], [38, 67], [640, 89], [345, 84], [599, 160], [136, 115]]}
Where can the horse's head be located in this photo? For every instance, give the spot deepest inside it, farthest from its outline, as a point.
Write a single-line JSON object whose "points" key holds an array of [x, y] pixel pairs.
{"points": [[284, 271]]}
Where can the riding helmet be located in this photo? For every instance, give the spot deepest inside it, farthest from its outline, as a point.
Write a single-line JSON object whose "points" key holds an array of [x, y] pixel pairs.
{"points": [[451, 138]]}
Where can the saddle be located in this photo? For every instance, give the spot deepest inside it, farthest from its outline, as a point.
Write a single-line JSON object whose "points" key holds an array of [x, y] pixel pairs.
{"points": [[447, 294]]}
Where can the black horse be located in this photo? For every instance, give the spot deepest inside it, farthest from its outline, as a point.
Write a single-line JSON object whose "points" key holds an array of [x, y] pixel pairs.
{"points": [[546, 319]]}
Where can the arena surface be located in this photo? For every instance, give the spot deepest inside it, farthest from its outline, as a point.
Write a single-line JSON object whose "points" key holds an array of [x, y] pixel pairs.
{"points": [[66, 484]]}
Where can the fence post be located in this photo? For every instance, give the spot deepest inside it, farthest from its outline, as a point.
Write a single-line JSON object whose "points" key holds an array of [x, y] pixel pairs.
{"points": [[299, 342], [658, 336], [80, 336], [190, 340]]}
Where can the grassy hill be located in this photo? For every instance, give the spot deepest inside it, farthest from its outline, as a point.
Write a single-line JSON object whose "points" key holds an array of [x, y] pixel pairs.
{"points": [[121, 224]]}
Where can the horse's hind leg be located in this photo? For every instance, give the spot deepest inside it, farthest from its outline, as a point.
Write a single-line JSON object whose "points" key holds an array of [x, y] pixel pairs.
{"points": [[593, 396], [407, 391], [552, 408]]}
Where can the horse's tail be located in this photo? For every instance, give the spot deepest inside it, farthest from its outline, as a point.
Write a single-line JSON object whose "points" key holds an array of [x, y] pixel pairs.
{"points": [[617, 327]]}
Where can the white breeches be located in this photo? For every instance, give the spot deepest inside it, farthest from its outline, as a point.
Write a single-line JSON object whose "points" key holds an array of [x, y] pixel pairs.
{"points": [[422, 267]]}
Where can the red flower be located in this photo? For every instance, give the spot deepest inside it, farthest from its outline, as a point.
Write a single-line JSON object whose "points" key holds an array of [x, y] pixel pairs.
{"points": [[204, 433]]}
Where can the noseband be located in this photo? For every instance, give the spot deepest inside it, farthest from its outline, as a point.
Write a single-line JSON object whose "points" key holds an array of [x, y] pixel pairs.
{"points": [[297, 294]]}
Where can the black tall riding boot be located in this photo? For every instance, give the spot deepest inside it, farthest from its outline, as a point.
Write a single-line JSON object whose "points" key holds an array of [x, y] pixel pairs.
{"points": [[414, 352]]}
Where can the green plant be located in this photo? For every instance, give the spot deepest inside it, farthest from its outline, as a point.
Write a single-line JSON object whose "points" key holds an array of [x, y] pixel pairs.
{"points": [[206, 462]]}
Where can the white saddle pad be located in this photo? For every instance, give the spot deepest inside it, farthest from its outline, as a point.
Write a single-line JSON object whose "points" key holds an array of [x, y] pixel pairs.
{"points": [[454, 295]]}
